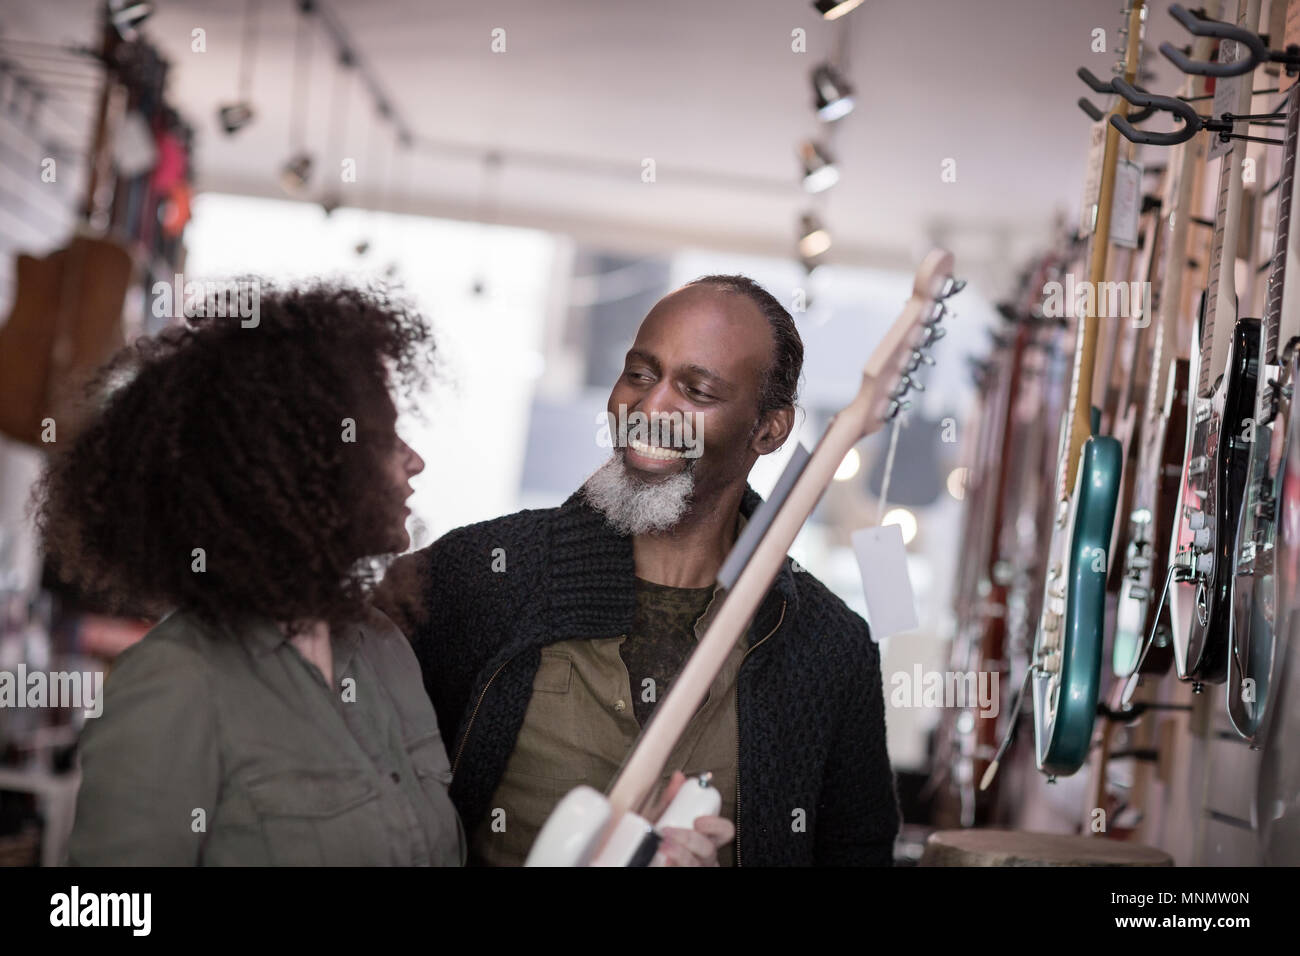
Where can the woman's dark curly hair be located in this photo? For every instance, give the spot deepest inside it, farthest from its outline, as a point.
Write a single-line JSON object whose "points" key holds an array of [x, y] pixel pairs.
{"points": [[234, 440]]}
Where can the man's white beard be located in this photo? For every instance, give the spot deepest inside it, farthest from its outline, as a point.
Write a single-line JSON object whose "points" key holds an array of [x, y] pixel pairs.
{"points": [[632, 506]]}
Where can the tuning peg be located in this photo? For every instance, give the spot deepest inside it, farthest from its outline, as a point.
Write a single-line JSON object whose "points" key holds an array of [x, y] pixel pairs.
{"points": [[951, 287], [918, 359], [933, 334], [895, 407]]}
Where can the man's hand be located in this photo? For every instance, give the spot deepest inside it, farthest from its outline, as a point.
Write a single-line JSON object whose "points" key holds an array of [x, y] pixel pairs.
{"points": [[697, 847]]}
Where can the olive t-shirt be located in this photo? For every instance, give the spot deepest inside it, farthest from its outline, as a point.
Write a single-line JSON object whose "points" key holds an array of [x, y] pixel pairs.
{"points": [[663, 636]]}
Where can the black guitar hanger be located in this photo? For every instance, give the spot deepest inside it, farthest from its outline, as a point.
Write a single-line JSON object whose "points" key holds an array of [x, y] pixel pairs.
{"points": [[1098, 86], [1256, 50], [1193, 122]]}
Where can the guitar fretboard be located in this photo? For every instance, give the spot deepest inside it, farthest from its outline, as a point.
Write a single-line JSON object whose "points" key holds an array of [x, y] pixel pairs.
{"points": [[1186, 159], [1222, 292], [1281, 239], [1218, 285]]}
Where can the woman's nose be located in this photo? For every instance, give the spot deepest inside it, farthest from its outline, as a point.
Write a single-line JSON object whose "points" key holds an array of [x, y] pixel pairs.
{"points": [[414, 463]]}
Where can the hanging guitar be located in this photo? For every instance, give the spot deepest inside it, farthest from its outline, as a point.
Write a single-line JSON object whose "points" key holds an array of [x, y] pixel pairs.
{"points": [[1163, 416], [1066, 659], [1224, 370], [1267, 521], [67, 315], [966, 740], [590, 829]]}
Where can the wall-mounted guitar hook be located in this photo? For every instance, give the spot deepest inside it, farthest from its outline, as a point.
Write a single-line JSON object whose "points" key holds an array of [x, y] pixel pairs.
{"points": [[1253, 50], [1193, 122], [1098, 86]]}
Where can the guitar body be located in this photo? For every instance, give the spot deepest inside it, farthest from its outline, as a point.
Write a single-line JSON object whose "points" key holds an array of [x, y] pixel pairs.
{"points": [[1256, 599], [27, 347], [1215, 467], [1150, 528], [572, 833], [1067, 652], [66, 321]]}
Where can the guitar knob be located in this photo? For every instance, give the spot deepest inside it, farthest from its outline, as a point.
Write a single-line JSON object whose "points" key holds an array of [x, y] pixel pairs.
{"points": [[1139, 562], [1196, 521], [1138, 593], [1202, 540]]}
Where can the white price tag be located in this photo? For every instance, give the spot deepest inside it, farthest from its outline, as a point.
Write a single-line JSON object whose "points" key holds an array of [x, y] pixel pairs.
{"points": [[1126, 204], [882, 561], [1092, 178]]}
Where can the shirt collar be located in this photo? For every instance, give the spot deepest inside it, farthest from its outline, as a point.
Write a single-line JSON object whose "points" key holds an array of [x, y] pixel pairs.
{"points": [[264, 636]]}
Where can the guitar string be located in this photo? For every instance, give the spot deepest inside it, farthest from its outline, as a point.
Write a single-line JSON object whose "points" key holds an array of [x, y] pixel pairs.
{"points": [[889, 470]]}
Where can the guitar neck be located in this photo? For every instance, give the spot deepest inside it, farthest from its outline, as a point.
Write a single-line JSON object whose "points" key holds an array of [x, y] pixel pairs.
{"points": [[1221, 305], [1131, 367], [1185, 164], [1282, 237], [1079, 409]]}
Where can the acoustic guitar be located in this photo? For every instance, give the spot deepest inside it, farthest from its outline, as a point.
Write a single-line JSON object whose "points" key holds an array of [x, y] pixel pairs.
{"points": [[67, 311]]}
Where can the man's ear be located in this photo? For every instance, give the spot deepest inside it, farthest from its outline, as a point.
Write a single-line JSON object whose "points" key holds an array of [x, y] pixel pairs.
{"points": [[773, 430]]}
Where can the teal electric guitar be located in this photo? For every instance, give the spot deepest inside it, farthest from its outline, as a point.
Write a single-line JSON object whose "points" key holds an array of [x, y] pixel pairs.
{"points": [[1066, 666]]}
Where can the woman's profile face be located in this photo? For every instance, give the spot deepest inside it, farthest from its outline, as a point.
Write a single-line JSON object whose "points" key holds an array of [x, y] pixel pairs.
{"points": [[383, 483], [403, 464]]}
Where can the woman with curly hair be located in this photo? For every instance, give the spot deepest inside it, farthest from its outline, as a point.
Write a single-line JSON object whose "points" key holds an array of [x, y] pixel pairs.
{"points": [[243, 478]]}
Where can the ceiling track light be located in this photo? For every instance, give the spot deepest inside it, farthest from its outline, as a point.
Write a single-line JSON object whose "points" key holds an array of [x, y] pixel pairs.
{"points": [[813, 237], [126, 15], [819, 170], [235, 116], [339, 103], [834, 9], [834, 95], [296, 173]]}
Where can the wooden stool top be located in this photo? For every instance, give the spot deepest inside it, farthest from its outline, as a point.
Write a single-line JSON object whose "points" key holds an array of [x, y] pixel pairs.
{"points": [[1022, 848]]}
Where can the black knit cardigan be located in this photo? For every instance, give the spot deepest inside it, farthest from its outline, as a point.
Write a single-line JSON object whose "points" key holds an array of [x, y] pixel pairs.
{"points": [[815, 785]]}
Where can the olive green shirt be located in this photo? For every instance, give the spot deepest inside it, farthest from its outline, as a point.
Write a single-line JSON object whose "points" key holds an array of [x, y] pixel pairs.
{"points": [[581, 724], [225, 746]]}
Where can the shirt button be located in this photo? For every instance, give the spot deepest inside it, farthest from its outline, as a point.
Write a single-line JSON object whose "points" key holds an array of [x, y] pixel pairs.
{"points": [[620, 705], [397, 777]]}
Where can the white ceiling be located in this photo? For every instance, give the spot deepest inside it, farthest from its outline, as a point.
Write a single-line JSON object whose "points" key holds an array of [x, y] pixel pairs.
{"points": [[710, 90]]}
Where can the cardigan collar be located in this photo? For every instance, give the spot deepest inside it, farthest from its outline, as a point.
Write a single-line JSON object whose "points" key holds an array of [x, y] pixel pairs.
{"points": [[591, 579]]}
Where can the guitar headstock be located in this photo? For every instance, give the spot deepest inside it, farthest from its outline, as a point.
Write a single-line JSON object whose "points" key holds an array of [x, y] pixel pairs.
{"points": [[891, 372]]}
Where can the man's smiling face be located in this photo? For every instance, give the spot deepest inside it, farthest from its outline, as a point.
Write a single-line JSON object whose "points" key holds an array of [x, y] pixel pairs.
{"points": [[702, 354]]}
